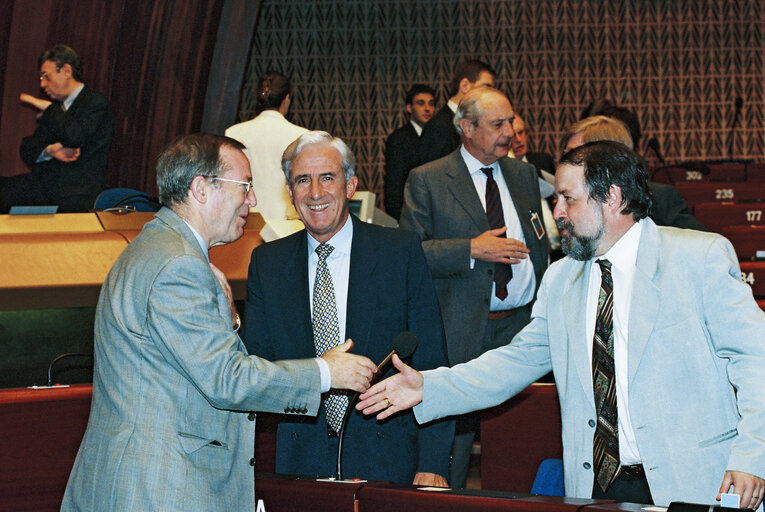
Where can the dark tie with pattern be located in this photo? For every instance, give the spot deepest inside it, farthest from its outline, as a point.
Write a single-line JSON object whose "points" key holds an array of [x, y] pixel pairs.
{"points": [[503, 272], [326, 330], [606, 442]]}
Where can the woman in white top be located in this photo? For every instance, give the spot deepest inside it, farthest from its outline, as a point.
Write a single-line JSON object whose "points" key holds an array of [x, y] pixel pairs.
{"points": [[265, 138]]}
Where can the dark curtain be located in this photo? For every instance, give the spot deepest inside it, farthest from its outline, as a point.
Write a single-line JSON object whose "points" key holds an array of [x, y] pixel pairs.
{"points": [[151, 58]]}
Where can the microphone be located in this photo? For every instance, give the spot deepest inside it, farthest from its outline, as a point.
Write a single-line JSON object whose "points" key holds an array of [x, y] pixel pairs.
{"points": [[653, 144], [404, 344]]}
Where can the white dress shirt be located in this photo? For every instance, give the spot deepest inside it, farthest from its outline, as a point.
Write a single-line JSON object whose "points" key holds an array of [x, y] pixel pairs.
{"points": [[520, 289], [622, 256]]}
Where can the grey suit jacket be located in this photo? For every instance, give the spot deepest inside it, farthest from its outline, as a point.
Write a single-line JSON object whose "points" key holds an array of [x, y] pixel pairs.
{"points": [[696, 358], [443, 208], [169, 375]]}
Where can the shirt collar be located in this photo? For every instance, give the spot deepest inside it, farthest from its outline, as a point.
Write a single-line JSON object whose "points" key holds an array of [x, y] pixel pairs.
{"points": [[70, 99], [623, 254], [199, 238], [452, 106], [341, 240], [417, 127], [473, 164]]}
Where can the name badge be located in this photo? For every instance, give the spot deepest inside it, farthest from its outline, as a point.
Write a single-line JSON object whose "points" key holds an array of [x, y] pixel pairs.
{"points": [[536, 222]]}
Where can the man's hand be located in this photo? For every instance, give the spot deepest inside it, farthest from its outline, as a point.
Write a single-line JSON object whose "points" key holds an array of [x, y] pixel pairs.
{"points": [[62, 153], [221, 277], [492, 246], [429, 480], [397, 393], [349, 371], [38, 103], [749, 487]]}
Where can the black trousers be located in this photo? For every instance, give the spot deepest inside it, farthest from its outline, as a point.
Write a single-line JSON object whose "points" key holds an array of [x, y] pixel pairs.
{"points": [[626, 488]]}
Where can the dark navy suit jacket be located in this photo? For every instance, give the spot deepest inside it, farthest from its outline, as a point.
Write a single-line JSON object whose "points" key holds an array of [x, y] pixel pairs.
{"points": [[390, 290]]}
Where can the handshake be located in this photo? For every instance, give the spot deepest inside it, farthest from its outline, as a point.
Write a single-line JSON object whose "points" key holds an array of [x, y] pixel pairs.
{"points": [[396, 393]]}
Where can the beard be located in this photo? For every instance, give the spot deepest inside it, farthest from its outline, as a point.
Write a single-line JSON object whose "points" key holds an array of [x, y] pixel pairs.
{"points": [[578, 247]]}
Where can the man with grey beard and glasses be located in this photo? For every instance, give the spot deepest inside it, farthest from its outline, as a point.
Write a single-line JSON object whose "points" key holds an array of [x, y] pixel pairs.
{"points": [[656, 345]]}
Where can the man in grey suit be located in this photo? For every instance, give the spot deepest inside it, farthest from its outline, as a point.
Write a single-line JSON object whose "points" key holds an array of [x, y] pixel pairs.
{"points": [[172, 385], [679, 385], [486, 261]]}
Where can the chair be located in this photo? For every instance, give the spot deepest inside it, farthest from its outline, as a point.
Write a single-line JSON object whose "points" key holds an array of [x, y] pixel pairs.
{"points": [[125, 199], [549, 479]]}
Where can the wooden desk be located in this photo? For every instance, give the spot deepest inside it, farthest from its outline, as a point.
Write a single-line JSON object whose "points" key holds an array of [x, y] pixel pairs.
{"points": [[293, 494], [383, 498]]}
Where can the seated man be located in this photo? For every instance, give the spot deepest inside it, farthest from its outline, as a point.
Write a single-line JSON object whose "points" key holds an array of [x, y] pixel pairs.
{"points": [[68, 151]]}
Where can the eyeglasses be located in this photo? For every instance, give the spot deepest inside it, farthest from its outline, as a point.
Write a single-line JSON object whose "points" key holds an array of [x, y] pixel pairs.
{"points": [[44, 75], [246, 184]]}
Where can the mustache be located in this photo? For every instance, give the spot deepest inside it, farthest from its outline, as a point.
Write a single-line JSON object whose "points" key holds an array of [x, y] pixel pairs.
{"points": [[563, 224]]}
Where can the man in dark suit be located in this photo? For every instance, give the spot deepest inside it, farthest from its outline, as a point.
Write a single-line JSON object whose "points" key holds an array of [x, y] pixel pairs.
{"points": [[439, 137], [68, 151], [403, 145], [470, 248], [341, 278]]}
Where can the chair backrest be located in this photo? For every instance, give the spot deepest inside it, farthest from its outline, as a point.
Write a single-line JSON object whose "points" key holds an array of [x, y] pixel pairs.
{"points": [[128, 199]]}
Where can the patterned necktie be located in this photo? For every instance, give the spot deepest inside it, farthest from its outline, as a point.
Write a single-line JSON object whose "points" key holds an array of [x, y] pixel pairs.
{"points": [[606, 442], [503, 272], [326, 330]]}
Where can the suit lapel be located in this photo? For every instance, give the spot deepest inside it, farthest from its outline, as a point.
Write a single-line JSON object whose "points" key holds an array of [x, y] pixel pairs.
{"points": [[574, 314], [360, 310], [296, 290], [462, 188], [644, 304]]}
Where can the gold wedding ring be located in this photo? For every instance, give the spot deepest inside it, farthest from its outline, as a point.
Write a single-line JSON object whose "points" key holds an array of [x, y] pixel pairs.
{"points": [[387, 402]]}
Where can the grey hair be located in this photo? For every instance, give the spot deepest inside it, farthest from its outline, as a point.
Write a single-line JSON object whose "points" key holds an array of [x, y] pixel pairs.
{"points": [[318, 138], [187, 157], [470, 107]]}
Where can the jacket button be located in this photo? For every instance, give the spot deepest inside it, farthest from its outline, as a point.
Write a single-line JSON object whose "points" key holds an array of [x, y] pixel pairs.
{"points": [[591, 423], [491, 271], [252, 461], [294, 435], [287, 410], [251, 416], [304, 410], [586, 465], [381, 435]]}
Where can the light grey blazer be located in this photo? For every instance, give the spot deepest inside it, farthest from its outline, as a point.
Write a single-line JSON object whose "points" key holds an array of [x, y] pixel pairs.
{"points": [[695, 334], [441, 205], [169, 375]]}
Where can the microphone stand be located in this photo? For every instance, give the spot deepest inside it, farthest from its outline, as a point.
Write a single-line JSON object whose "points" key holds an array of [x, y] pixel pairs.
{"points": [[341, 434]]}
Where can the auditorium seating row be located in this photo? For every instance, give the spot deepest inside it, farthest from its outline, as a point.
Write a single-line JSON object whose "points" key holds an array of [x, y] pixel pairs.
{"points": [[694, 172]]}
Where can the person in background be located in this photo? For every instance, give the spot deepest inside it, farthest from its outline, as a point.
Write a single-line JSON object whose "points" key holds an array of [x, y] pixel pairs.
{"points": [[402, 147], [265, 138], [478, 214], [69, 149]]}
